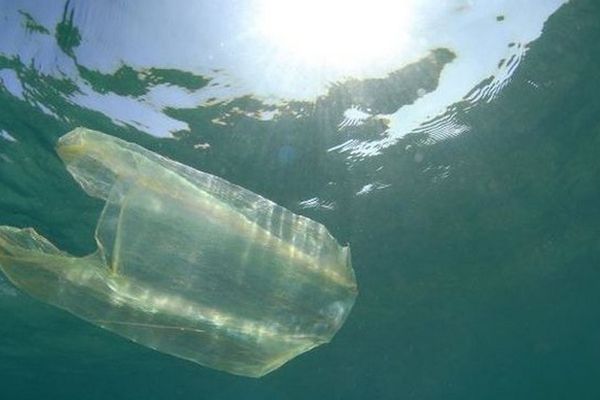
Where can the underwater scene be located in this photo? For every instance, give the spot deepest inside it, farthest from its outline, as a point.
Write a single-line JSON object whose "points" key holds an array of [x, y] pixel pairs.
{"points": [[280, 199]]}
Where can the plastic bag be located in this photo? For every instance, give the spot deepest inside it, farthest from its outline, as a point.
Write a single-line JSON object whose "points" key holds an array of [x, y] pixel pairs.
{"points": [[188, 263]]}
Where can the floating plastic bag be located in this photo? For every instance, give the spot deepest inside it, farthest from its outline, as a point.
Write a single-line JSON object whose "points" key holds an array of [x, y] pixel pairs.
{"points": [[188, 263]]}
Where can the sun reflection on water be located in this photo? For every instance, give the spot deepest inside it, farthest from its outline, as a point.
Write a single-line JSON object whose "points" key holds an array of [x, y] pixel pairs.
{"points": [[345, 35]]}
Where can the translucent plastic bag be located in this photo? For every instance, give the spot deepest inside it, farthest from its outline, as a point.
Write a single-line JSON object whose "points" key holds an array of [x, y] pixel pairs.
{"points": [[188, 263]]}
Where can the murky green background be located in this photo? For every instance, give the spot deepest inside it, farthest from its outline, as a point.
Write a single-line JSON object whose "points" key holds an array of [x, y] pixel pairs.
{"points": [[477, 256]]}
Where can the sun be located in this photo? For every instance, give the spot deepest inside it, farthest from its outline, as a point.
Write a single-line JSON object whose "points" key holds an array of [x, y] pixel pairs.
{"points": [[347, 35]]}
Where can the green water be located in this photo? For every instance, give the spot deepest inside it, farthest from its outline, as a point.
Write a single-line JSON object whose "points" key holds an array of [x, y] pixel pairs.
{"points": [[477, 256]]}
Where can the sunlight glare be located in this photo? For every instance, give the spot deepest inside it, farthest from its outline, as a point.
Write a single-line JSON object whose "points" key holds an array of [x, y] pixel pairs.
{"points": [[336, 34]]}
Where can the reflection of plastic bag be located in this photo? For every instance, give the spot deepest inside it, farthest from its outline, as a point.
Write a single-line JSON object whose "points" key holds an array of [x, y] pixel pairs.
{"points": [[188, 263]]}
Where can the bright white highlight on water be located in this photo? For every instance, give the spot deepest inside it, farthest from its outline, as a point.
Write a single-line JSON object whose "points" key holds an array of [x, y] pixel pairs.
{"points": [[345, 35]]}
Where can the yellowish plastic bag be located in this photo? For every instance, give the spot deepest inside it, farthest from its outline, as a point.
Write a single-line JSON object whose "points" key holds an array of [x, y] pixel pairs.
{"points": [[188, 263]]}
